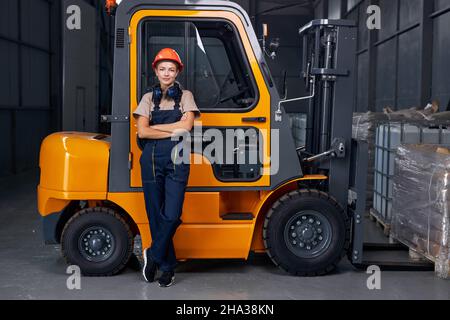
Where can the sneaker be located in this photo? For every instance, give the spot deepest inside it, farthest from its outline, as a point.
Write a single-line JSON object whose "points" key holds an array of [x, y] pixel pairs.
{"points": [[150, 267], [166, 279]]}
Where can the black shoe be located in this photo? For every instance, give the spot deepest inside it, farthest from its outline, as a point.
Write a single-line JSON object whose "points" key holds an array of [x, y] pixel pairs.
{"points": [[150, 267], [166, 279]]}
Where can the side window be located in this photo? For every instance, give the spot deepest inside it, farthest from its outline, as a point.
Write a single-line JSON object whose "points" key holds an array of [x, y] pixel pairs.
{"points": [[215, 69]]}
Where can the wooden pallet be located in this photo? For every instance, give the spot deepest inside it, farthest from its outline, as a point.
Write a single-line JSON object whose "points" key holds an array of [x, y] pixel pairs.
{"points": [[380, 221], [441, 270]]}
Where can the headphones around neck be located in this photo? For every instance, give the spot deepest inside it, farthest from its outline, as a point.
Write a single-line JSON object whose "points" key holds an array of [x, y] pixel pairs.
{"points": [[174, 92]]}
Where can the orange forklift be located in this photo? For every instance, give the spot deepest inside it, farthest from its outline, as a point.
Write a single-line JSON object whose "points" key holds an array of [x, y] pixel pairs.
{"points": [[293, 203]]}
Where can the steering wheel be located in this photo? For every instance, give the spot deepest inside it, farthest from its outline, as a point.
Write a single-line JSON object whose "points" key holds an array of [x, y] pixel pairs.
{"points": [[234, 96]]}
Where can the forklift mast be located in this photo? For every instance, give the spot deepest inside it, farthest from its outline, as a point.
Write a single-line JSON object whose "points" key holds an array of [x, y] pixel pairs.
{"points": [[329, 60], [329, 53]]}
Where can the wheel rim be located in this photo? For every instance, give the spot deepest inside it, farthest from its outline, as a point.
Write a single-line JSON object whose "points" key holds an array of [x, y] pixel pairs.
{"points": [[96, 244], [308, 234]]}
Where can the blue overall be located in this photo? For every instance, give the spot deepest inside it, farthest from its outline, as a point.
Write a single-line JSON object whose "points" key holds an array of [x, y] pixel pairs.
{"points": [[164, 184]]}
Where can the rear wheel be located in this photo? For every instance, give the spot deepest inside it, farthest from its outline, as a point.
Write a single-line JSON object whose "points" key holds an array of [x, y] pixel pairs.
{"points": [[306, 233], [98, 240]]}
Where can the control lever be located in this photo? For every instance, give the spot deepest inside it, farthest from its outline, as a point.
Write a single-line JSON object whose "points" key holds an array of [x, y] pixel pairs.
{"points": [[279, 113], [337, 151]]}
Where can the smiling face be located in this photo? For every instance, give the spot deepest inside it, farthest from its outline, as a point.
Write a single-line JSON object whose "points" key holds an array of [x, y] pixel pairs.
{"points": [[167, 72]]}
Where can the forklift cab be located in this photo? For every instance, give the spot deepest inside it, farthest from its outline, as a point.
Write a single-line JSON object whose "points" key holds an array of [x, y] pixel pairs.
{"points": [[218, 73], [230, 82]]}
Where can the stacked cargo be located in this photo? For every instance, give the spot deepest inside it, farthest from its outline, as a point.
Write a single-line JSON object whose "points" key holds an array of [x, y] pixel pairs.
{"points": [[421, 203], [365, 127]]}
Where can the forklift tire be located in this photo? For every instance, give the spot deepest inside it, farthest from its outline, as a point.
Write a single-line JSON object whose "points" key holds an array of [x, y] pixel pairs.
{"points": [[306, 233], [98, 240]]}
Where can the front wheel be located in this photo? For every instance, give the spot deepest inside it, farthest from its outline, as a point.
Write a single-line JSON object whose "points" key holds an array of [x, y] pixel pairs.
{"points": [[98, 240], [306, 233]]}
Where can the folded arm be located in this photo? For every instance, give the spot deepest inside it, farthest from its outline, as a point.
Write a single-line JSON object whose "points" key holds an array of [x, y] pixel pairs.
{"points": [[185, 124], [145, 131]]}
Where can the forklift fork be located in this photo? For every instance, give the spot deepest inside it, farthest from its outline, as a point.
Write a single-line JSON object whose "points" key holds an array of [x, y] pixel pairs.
{"points": [[364, 254]]}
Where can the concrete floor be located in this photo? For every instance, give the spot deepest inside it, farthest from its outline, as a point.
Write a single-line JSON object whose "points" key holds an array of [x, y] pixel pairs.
{"points": [[31, 270]]}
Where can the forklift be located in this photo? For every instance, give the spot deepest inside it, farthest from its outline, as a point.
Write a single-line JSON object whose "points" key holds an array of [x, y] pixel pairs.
{"points": [[306, 212]]}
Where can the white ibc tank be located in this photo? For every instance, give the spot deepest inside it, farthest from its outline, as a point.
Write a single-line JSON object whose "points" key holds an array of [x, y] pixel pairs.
{"points": [[388, 139]]}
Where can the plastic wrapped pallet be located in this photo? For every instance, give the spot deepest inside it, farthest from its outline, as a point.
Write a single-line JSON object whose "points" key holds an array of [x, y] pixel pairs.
{"points": [[365, 128], [421, 203], [389, 137]]}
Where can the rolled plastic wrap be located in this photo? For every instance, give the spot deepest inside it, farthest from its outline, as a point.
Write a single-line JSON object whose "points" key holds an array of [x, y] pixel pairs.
{"points": [[365, 124], [421, 203]]}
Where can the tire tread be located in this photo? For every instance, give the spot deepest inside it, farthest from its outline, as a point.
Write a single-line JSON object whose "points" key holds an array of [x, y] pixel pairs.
{"points": [[117, 216], [296, 194]]}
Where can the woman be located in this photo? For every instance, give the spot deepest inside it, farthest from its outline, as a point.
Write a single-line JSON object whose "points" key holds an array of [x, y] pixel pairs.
{"points": [[160, 114]]}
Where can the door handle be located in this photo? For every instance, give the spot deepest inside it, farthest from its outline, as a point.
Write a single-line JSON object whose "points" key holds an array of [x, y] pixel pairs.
{"points": [[254, 119]]}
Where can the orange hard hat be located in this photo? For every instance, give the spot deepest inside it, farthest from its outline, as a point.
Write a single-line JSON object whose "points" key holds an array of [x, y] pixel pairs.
{"points": [[110, 5], [168, 54]]}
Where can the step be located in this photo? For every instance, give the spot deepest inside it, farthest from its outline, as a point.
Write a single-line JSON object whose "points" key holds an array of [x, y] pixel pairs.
{"points": [[237, 216]]}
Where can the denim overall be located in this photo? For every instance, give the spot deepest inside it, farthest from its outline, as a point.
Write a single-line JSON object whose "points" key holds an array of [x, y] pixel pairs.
{"points": [[164, 184]]}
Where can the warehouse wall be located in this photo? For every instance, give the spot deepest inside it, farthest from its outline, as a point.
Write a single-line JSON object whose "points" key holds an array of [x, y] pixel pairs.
{"points": [[404, 64], [29, 87], [31, 83]]}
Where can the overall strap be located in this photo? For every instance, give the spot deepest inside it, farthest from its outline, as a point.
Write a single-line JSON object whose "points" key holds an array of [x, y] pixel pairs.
{"points": [[156, 105], [157, 96], [176, 93]]}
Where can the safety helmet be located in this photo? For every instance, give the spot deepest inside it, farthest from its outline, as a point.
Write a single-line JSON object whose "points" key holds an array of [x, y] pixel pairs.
{"points": [[168, 54]]}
